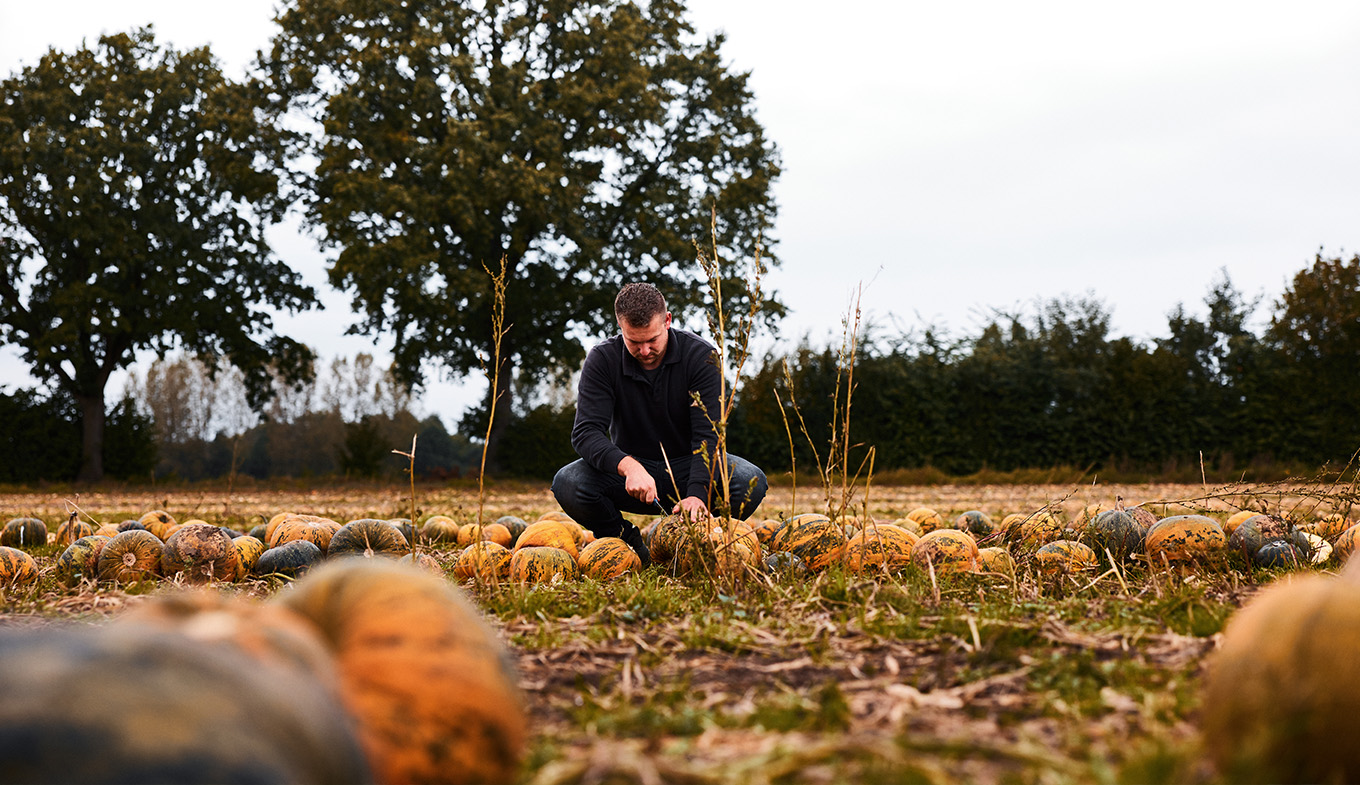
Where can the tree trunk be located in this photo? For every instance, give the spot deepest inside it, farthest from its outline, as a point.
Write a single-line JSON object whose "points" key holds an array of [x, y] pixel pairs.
{"points": [[502, 401], [92, 437]]}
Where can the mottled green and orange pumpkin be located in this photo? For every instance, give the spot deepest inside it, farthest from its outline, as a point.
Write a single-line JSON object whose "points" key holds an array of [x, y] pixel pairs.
{"points": [[24, 533], [313, 529], [780, 540], [515, 524], [17, 568], [248, 552], [73, 529], [368, 537], [998, 560], [131, 556], [880, 546], [1064, 556], [428, 681], [608, 558], [156, 522], [1115, 531], [1280, 694], [1036, 529], [485, 562], [1184, 539], [946, 550], [819, 543], [80, 560], [542, 564], [1237, 519], [765, 531], [927, 519], [1345, 544], [200, 552], [1253, 534]]}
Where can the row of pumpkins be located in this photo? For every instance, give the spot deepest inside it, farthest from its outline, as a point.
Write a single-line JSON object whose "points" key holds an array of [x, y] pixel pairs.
{"points": [[557, 548]]}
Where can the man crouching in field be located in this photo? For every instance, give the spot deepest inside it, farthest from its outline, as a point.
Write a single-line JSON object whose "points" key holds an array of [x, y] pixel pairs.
{"points": [[637, 386]]}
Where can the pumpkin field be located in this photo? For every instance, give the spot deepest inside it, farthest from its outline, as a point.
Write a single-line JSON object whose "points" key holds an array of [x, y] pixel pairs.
{"points": [[924, 634]]}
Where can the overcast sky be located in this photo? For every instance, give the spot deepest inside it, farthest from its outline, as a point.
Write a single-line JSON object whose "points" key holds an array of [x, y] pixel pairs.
{"points": [[961, 157]]}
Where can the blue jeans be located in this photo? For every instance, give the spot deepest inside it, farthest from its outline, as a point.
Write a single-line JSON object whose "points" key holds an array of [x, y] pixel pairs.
{"points": [[597, 500]]}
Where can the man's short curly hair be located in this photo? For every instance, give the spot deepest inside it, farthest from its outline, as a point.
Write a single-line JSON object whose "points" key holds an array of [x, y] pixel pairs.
{"points": [[638, 303]]}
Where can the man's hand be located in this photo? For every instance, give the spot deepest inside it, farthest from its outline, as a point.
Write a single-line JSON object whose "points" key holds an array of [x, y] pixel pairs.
{"points": [[691, 507], [637, 481]]}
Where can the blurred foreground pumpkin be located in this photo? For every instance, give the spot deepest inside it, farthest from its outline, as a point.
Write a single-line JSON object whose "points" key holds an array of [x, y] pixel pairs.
{"points": [[1283, 693], [119, 704], [431, 686]]}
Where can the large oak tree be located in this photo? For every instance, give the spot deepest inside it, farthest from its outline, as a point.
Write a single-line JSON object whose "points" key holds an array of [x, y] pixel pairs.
{"points": [[584, 142], [135, 187]]}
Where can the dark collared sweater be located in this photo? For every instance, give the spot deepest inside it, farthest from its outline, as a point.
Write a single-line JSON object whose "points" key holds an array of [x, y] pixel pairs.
{"points": [[621, 411]]}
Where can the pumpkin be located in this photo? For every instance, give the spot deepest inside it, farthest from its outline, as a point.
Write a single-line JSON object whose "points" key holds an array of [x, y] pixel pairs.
{"points": [[72, 530], [368, 537], [107, 530], [881, 546], [909, 525], [440, 528], [290, 559], [80, 560], [819, 543], [404, 525], [119, 703], [555, 515], [275, 522], [248, 552], [1255, 532], [266, 632], [608, 558], [1115, 531], [1280, 553], [976, 523], [1237, 519], [260, 532], [130, 525], [428, 681], [542, 564], [24, 533], [515, 524], [1280, 692], [485, 562], [1064, 556], [201, 552], [780, 541], [1345, 543], [927, 519], [1036, 529], [550, 534], [1181, 539], [946, 550], [1088, 513], [1329, 526], [998, 560], [1320, 549], [736, 553], [765, 531], [783, 566], [422, 561], [16, 567], [673, 536], [317, 531], [1142, 516], [468, 533], [1009, 523], [131, 556], [497, 533], [158, 522]]}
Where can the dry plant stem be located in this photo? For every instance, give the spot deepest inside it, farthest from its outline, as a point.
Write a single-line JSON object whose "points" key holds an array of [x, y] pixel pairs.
{"points": [[822, 469], [498, 331], [793, 463], [411, 472]]}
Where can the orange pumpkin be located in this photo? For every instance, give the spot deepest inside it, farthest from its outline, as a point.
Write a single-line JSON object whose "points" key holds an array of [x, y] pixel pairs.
{"points": [[156, 522], [998, 560], [425, 677], [946, 550], [1182, 539], [248, 552], [878, 547], [439, 528], [927, 519], [1064, 556], [819, 543], [1237, 519], [16, 567], [72, 530], [485, 562], [550, 534], [608, 558], [317, 531]]}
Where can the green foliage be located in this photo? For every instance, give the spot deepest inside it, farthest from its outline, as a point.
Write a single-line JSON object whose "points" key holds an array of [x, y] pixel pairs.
{"points": [[40, 440], [583, 142], [135, 188], [364, 449]]}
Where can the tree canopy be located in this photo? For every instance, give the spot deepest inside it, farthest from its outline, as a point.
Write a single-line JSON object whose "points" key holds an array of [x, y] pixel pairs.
{"points": [[135, 187], [586, 143]]}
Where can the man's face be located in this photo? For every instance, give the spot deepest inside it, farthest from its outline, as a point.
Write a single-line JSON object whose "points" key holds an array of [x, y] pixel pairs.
{"points": [[647, 344]]}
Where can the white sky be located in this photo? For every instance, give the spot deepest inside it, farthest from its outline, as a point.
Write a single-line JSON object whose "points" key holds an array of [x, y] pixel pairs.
{"points": [[959, 157]]}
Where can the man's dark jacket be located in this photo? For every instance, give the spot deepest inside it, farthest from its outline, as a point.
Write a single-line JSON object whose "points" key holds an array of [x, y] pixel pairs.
{"points": [[616, 397]]}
